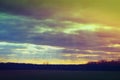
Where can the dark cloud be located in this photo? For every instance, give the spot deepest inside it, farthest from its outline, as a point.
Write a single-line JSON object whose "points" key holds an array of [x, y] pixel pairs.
{"points": [[38, 8], [80, 51], [23, 29], [50, 32], [72, 30], [109, 49]]}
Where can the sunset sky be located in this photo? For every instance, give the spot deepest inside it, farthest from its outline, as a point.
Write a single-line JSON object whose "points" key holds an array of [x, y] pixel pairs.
{"points": [[59, 31]]}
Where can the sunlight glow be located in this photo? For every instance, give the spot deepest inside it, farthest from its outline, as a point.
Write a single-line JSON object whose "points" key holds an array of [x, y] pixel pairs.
{"points": [[81, 27], [75, 28]]}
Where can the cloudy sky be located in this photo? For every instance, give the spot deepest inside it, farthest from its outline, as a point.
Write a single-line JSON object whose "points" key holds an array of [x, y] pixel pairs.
{"points": [[59, 31]]}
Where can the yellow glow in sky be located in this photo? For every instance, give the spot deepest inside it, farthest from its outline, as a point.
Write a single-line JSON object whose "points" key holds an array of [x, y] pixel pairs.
{"points": [[73, 29]]}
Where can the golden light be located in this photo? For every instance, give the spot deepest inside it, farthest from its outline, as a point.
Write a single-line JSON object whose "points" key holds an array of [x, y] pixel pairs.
{"points": [[74, 28]]}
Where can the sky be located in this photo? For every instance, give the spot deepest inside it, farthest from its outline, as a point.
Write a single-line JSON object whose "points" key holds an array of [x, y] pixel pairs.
{"points": [[59, 31]]}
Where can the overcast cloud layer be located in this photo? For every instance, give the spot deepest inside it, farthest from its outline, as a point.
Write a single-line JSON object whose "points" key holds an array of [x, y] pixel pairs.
{"points": [[65, 32]]}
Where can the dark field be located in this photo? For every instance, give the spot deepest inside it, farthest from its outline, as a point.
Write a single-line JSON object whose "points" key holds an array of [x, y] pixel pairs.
{"points": [[58, 75]]}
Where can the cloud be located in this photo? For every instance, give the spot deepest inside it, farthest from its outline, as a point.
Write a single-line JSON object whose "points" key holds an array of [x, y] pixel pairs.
{"points": [[46, 32], [28, 51], [65, 35], [23, 29], [38, 54], [31, 53], [77, 10]]}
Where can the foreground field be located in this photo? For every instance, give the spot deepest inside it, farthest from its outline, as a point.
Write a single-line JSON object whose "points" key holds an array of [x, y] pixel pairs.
{"points": [[58, 75]]}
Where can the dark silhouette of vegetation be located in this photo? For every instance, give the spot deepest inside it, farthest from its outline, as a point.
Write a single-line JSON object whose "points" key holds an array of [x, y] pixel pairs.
{"points": [[91, 66], [113, 62]]}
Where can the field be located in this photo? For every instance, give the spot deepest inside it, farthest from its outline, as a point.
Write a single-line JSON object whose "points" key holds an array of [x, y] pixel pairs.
{"points": [[58, 75]]}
